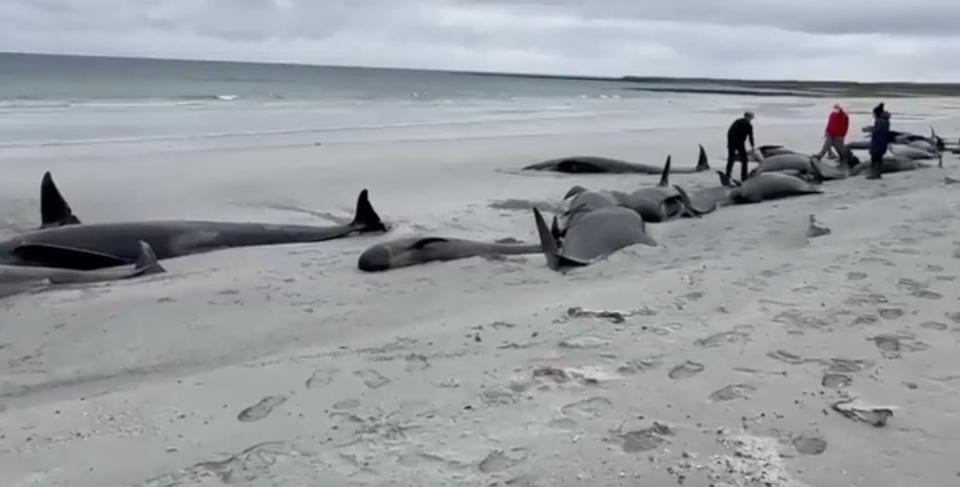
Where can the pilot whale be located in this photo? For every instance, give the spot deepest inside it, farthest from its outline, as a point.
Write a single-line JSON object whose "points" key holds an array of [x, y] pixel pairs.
{"points": [[99, 245]]}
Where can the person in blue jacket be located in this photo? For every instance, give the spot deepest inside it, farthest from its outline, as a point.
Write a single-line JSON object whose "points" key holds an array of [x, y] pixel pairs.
{"points": [[879, 140]]}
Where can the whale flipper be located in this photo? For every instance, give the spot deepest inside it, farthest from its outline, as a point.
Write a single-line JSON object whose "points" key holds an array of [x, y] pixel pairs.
{"points": [[725, 181], [665, 175], [146, 263], [573, 192], [689, 206], [54, 209], [702, 163], [50, 255], [366, 218]]}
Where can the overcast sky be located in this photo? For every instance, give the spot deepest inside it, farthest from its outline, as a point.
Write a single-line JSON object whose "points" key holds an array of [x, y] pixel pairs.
{"points": [[915, 40]]}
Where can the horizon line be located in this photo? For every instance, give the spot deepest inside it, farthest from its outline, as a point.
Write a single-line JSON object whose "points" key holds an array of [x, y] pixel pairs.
{"points": [[515, 74]]}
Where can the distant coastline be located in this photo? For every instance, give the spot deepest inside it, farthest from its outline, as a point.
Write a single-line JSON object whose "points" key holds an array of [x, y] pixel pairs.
{"points": [[657, 84]]}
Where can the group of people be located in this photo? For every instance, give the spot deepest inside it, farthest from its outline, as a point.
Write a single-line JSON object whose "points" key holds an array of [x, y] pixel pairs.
{"points": [[838, 123]]}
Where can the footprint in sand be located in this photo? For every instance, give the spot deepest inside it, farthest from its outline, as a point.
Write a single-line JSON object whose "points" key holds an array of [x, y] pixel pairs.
{"points": [[733, 391], [934, 325], [810, 445], [836, 381], [887, 343], [787, 357], [346, 404], [866, 320], [856, 276], [371, 378], [591, 407], [849, 366], [498, 460], [685, 370], [646, 439], [726, 337], [584, 342], [416, 362], [865, 299], [261, 409], [891, 313], [322, 377], [954, 317]]}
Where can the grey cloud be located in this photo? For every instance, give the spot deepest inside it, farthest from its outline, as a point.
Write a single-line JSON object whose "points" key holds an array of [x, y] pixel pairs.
{"points": [[916, 17], [851, 39]]}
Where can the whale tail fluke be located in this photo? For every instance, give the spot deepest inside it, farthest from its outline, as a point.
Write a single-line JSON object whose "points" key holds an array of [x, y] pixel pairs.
{"points": [[147, 263], [547, 241], [366, 218], [54, 209], [702, 163], [555, 260]]}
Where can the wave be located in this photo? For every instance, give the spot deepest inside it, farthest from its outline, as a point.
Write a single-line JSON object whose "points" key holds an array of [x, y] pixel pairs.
{"points": [[26, 103], [291, 131]]}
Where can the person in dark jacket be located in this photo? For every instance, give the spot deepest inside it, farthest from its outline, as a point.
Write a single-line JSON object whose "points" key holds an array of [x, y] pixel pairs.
{"points": [[738, 133], [879, 140]]}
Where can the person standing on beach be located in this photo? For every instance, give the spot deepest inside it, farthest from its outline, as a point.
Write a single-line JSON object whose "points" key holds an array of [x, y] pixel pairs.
{"points": [[740, 130], [879, 140], [837, 126]]}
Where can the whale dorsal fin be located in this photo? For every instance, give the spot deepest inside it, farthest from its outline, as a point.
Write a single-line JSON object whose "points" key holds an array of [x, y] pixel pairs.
{"points": [[51, 255], [423, 242], [366, 218], [54, 209], [665, 175], [702, 163]]}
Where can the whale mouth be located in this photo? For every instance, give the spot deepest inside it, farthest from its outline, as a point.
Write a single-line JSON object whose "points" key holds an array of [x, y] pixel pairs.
{"points": [[374, 259]]}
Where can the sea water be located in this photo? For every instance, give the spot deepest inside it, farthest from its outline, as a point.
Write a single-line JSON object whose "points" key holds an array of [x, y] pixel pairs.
{"points": [[82, 103]]}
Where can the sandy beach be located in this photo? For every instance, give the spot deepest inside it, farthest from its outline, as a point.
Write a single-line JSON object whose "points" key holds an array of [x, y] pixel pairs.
{"points": [[718, 363]]}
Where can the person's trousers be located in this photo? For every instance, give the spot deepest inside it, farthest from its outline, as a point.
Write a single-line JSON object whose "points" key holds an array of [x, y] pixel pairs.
{"points": [[876, 165], [737, 154], [837, 144]]}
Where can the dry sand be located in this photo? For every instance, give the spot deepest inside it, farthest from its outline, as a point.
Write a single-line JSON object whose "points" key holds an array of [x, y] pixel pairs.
{"points": [[285, 366]]}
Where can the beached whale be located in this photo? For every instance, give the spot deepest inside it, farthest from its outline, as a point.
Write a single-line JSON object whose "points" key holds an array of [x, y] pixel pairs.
{"points": [[595, 236], [769, 186], [760, 153], [603, 165], [15, 279], [801, 164], [913, 153], [714, 196], [100, 245], [584, 201], [655, 204], [891, 164], [407, 252]]}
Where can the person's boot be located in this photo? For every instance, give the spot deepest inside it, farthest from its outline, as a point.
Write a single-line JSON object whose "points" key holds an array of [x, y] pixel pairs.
{"points": [[874, 171]]}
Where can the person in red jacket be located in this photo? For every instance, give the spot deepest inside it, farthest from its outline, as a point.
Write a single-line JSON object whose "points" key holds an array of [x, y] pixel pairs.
{"points": [[837, 126]]}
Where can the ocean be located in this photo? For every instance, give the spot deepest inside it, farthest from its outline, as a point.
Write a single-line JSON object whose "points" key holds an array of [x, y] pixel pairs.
{"points": [[71, 100], [149, 105]]}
